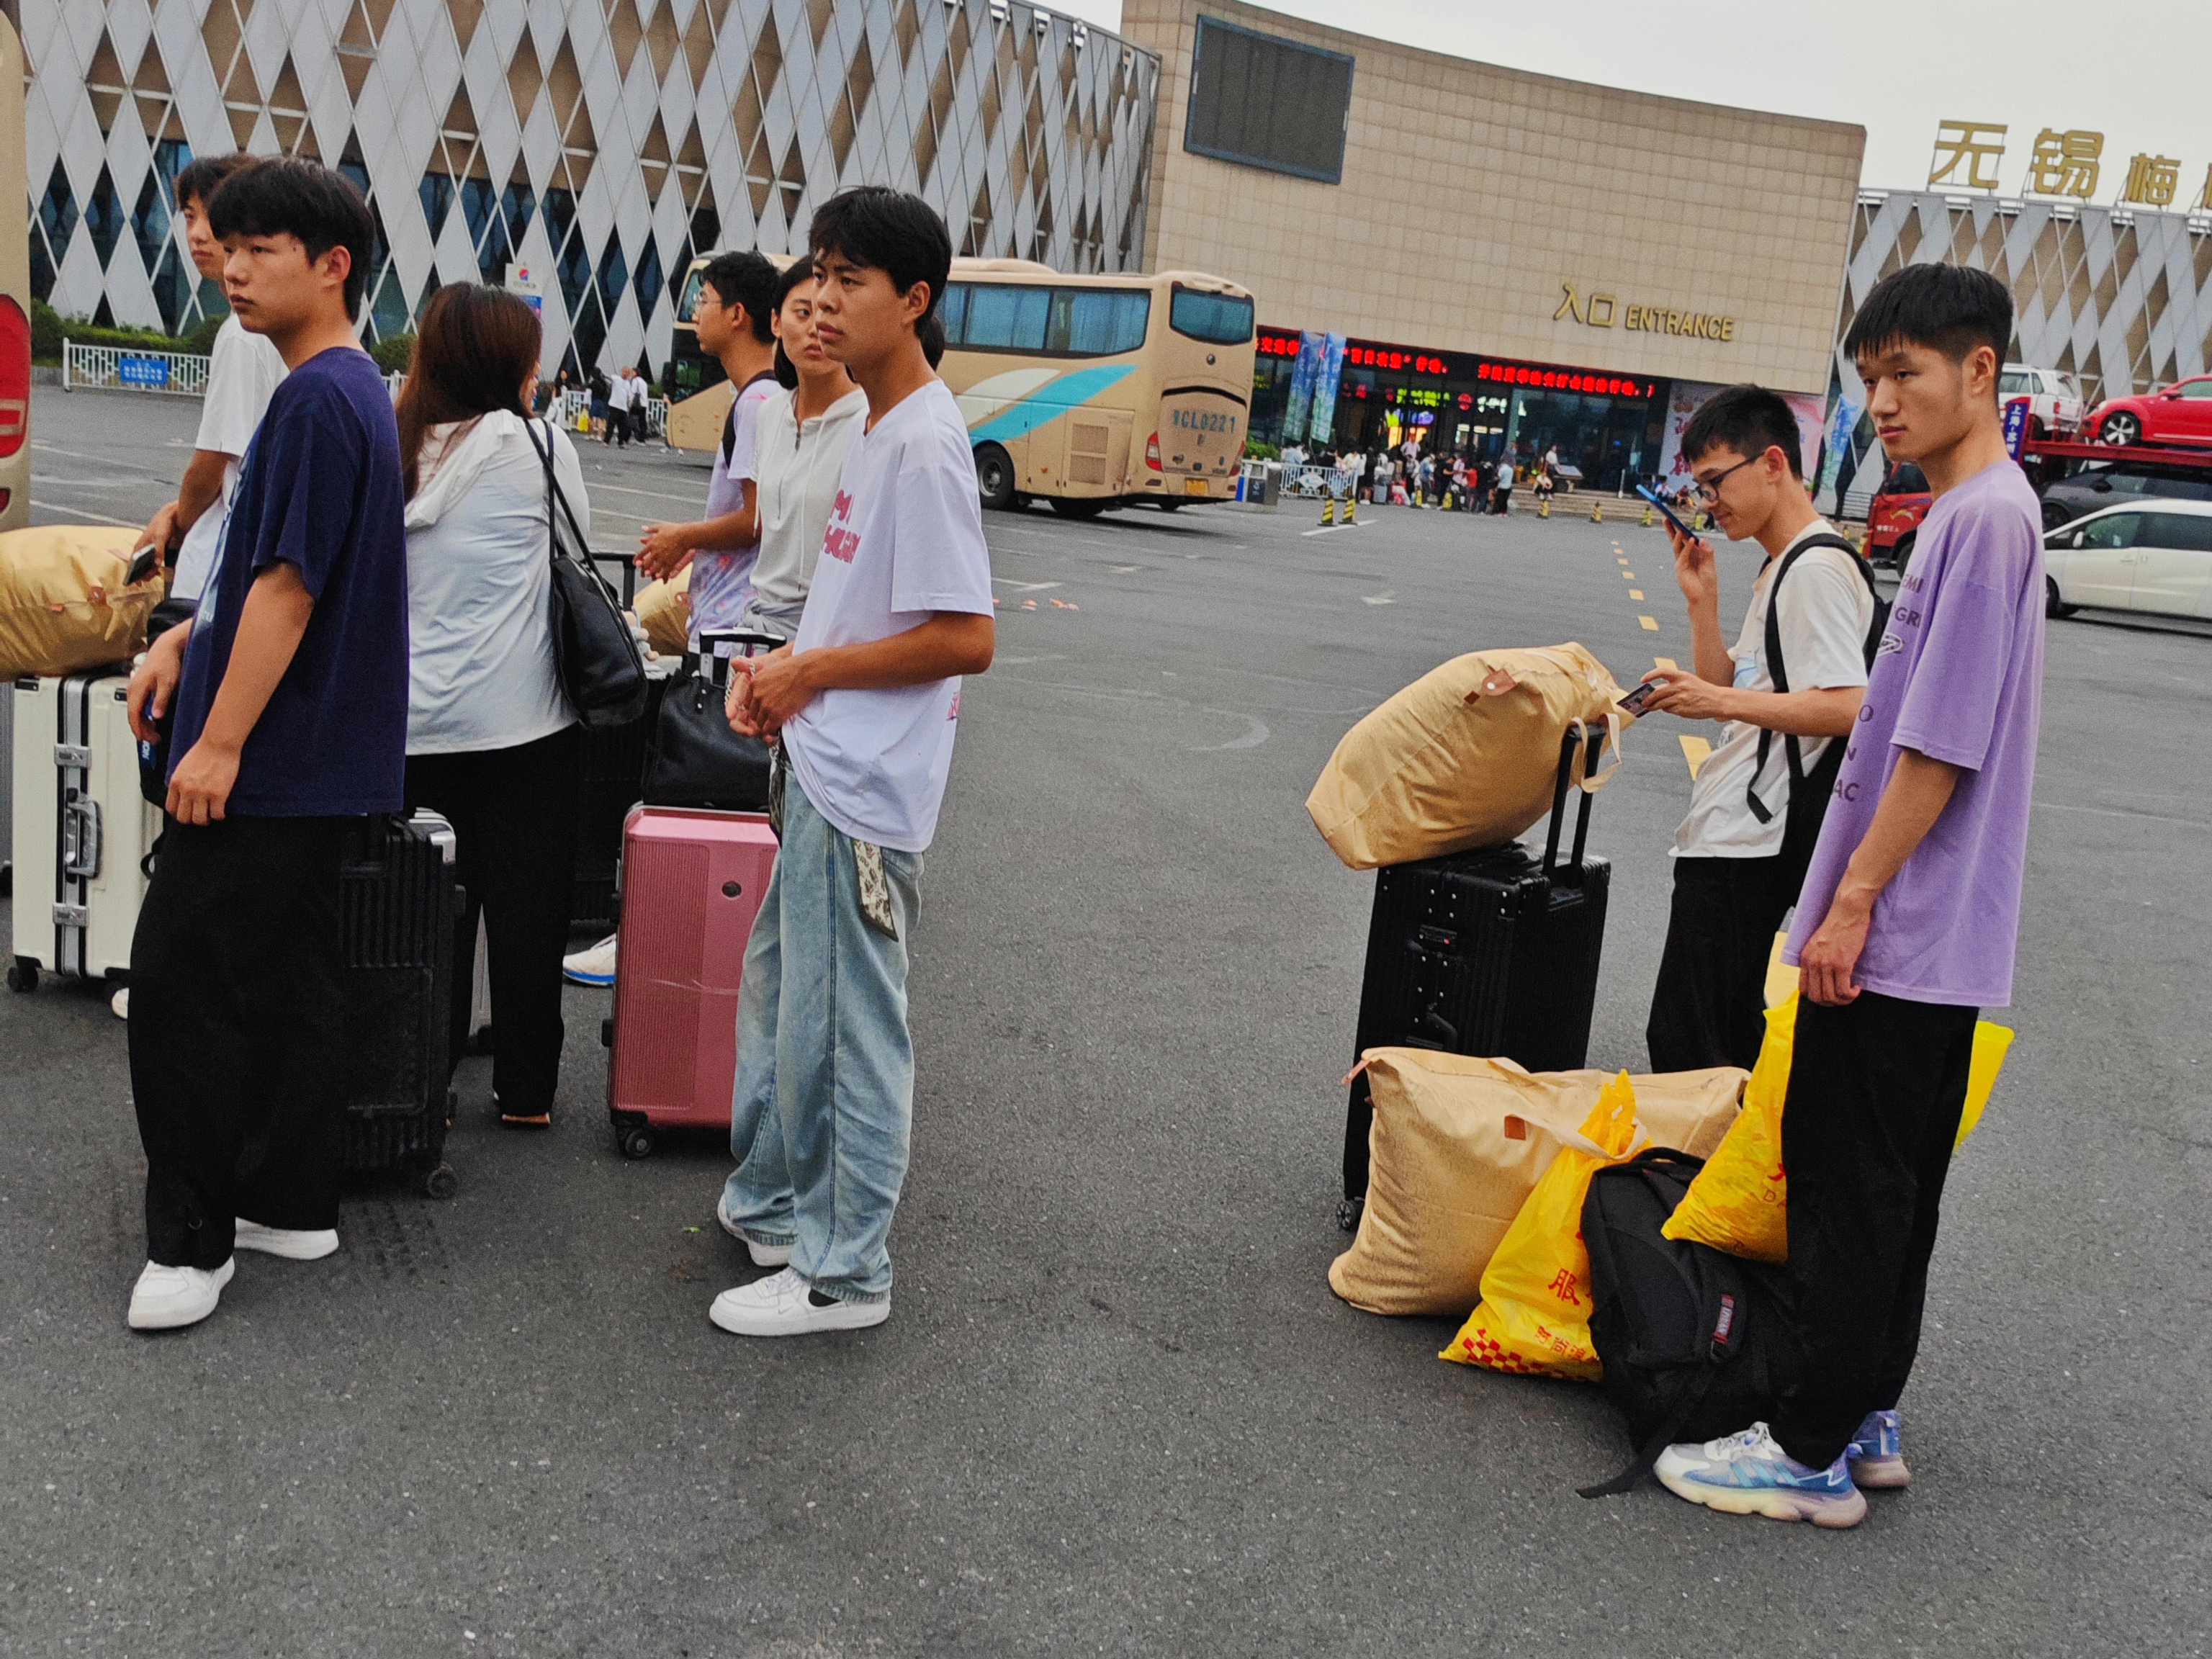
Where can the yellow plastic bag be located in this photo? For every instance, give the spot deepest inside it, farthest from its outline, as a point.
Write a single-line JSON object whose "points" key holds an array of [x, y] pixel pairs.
{"points": [[1534, 1313], [1740, 1201]]}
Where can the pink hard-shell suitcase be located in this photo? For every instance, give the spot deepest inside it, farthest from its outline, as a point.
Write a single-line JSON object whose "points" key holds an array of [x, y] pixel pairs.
{"points": [[691, 883]]}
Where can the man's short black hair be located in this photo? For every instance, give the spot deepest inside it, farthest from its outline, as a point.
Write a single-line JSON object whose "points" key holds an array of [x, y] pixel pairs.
{"points": [[292, 197], [201, 178], [1748, 419], [885, 229], [1947, 309], [747, 280]]}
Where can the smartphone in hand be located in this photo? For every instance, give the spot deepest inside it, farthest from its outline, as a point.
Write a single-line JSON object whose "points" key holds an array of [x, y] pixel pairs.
{"points": [[1672, 517], [148, 560], [1634, 702]]}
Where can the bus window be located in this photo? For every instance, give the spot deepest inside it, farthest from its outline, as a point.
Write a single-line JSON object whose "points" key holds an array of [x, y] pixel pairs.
{"points": [[1004, 318], [1091, 323], [953, 313], [687, 307], [1218, 319]]}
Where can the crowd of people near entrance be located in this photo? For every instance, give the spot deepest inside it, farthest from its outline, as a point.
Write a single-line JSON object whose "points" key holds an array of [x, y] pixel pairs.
{"points": [[1463, 480], [366, 627]]}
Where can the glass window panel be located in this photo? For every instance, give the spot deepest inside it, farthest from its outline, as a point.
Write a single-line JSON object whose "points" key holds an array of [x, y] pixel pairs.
{"points": [[1218, 319], [1006, 318], [955, 313]]}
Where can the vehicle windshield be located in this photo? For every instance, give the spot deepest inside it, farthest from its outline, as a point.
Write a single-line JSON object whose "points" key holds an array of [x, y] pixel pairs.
{"points": [[1217, 318], [2014, 384], [1907, 480], [687, 304]]}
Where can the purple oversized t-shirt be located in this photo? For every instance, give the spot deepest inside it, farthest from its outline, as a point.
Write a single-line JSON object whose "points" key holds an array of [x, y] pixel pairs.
{"points": [[1959, 679]]}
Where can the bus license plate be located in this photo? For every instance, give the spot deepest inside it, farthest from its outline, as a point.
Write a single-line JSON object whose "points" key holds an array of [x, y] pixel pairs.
{"points": [[1194, 486]]}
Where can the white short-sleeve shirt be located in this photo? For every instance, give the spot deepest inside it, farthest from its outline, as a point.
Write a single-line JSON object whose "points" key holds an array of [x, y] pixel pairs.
{"points": [[243, 370], [1826, 610], [905, 539], [722, 580]]}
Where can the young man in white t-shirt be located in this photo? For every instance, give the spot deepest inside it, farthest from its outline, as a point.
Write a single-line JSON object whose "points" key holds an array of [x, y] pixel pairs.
{"points": [[865, 700], [243, 370], [1740, 856]]}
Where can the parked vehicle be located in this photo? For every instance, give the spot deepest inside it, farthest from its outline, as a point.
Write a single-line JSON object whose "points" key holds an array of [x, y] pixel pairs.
{"points": [[2177, 413], [2055, 406], [1893, 517], [2153, 556], [2120, 483]]}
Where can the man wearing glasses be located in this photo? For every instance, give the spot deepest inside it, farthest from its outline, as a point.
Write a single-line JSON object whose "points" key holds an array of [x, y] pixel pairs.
{"points": [[1757, 800]]}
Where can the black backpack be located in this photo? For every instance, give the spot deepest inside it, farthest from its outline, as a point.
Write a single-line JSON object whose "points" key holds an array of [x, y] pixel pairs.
{"points": [[1694, 1342], [1809, 791]]}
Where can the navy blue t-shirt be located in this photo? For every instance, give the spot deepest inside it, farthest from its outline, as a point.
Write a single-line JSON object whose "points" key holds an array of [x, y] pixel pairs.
{"points": [[320, 491]]}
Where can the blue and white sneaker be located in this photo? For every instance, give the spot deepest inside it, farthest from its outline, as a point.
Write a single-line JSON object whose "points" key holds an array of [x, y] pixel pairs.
{"points": [[1876, 1453], [593, 965], [1749, 1473]]}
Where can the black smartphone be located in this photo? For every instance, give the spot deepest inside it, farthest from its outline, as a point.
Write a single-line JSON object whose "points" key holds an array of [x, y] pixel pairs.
{"points": [[1634, 702], [1660, 501], [148, 560]]}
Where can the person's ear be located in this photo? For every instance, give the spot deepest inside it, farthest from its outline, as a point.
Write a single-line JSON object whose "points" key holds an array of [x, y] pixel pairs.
{"points": [[336, 265], [916, 304]]}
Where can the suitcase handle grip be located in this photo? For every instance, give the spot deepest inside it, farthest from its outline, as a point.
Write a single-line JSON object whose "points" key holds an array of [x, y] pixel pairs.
{"points": [[1595, 737], [80, 838]]}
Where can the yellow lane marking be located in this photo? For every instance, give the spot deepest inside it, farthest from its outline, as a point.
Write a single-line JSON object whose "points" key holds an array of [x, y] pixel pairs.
{"points": [[1635, 593], [1628, 576], [1666, 663], [1696, 750], [1650, 623]]}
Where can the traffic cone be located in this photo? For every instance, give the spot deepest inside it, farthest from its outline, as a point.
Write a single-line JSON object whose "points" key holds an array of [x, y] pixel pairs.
{"points": [[1329, 509], [1351, 502], [1544, 507], [1597, 512], [1647, 515]]}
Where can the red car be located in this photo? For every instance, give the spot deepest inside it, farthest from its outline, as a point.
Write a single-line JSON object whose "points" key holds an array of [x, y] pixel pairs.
{"points": [[2177, 413], [1893, 516]]}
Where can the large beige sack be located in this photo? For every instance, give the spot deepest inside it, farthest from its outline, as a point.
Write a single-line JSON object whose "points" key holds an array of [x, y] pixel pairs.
{"points": [[63, 603], [1467, 755], [1458, 1145], [664, 608]]}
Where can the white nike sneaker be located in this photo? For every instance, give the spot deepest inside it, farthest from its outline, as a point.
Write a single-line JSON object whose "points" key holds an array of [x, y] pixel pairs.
{"points": [[168, 1298], [294, 1245], [594, 965], [763, 1255], [783, 1304]]}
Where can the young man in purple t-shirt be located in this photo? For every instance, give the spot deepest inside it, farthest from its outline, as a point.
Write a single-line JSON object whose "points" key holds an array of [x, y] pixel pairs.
{"points": [[1909, 915]]}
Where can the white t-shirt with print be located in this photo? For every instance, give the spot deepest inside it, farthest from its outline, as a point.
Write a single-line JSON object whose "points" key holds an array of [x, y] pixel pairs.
{"points": [[722, 581], [1826, 610], [243, 370], [905, 539]]}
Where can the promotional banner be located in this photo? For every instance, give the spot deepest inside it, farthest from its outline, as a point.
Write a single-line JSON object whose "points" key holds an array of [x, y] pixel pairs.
{"points": [[1299, 412], [2015, 426], [1324, 391], [1838, 445], [1686, 398]]}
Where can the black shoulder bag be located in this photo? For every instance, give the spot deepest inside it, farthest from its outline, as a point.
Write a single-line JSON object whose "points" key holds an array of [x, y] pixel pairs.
{"points": [[594, 653], [1809, 791], [694, 758]]}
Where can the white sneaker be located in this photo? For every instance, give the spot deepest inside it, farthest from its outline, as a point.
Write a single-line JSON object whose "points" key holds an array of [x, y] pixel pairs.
{"points": [[119, 1003], [292, 1244], [781, 1305], [763, 1255], [592, 966], [167, 1298]]}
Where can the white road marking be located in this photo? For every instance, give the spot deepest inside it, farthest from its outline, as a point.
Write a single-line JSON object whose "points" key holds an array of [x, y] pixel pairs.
{"points": [[79, 513], [1388, 596], [1024, 588], [1253, 738]]}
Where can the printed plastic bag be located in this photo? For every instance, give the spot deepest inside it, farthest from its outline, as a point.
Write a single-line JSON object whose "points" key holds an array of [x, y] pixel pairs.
{"points": [[1534, 1313], [1739, 1202]]}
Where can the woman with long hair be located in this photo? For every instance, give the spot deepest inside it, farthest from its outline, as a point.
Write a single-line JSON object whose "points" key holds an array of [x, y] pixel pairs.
{"points": [[492, 743]]}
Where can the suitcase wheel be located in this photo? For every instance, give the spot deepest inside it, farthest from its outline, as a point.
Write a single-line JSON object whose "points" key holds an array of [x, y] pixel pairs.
{"points": [[1347, 1213], [441, 1182], [635, 1140], [23, 975]]}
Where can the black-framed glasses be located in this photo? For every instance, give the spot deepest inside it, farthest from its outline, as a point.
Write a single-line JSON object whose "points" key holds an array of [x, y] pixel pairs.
{"points": [[1709, 490]]}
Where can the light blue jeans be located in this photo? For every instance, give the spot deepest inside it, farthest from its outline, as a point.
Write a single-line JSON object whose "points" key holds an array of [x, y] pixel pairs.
{"points": [[823, 1106]]}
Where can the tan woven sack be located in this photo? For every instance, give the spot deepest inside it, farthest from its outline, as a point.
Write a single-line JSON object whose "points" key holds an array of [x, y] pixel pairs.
{"points": [[1458, 1145], [63, 603], [1467, 755]]}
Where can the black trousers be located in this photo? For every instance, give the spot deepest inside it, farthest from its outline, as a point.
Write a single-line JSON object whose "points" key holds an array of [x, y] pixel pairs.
{"points": [[617, 429], [1708, 1007], [513, 813], [1876, 1088], [235, 1012]]}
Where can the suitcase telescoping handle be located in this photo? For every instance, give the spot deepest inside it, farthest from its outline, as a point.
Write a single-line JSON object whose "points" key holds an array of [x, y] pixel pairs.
{"points": [[1595, 737], [714, 660]]}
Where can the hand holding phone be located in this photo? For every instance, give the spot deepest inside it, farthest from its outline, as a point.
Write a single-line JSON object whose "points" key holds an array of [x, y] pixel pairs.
{"points": [[1665, 511], [1634, 702]]}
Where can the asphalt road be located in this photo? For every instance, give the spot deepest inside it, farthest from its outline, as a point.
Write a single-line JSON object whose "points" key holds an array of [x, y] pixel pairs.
{"points": [[1116, 1408]]}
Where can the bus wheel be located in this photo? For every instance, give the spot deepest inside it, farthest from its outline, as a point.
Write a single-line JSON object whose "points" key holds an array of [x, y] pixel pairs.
{"points": [[995, 477], [1077, 507]]}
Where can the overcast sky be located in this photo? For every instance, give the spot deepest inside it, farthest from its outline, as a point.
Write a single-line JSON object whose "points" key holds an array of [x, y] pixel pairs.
{"points": [[2129, 68]]}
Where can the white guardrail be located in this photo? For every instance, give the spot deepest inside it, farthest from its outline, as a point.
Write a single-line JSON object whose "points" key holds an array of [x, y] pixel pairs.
{"points": [[571, 408], [126, 369], [1316, 480]]}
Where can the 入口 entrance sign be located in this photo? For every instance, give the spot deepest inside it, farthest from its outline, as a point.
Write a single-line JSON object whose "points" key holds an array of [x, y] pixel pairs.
{"points": [[1601, 310]]}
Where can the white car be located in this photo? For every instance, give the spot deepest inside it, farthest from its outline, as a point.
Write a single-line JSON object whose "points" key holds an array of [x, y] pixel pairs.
{"points": [[2145, 555], [2055, 407]]}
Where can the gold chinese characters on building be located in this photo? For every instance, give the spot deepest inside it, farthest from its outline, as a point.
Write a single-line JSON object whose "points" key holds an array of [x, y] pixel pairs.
{"points": [[1604, 310], [1967, 144], [2066, 161]]}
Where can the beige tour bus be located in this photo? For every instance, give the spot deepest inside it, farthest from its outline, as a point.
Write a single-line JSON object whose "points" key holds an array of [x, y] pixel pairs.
{"points": [[15, 296], [1089, 392]]}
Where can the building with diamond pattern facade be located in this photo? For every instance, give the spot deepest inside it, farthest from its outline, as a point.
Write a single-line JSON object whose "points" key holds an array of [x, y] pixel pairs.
{"points": [[595, 144]]}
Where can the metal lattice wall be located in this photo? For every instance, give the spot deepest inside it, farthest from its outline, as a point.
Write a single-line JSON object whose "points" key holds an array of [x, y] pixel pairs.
{"points": [[596, 142], [2119, 297]]}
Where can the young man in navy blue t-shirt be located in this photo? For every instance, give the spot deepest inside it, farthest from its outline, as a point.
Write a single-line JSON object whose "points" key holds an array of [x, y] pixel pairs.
{"points": [[289, 689]]}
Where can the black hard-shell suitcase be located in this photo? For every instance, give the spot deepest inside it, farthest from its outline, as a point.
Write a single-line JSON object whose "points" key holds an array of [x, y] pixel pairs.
{"points": [[1484, 952], [400, 903], [610, 774]]}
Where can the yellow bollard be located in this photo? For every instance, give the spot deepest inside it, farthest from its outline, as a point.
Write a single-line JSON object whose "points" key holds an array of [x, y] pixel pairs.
{"points": [[1597, 512], [1647, 515], [1544, 507], [1329, 509], [1351, 502]]}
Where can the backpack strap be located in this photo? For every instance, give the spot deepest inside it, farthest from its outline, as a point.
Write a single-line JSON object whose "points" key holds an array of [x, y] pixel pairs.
{"points": [[1780, 673]]}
